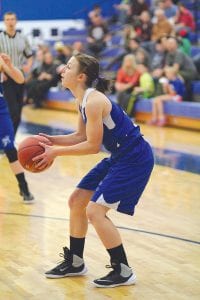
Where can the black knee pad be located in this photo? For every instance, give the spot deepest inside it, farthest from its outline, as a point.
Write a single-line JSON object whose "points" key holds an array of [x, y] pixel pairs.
{"points": [[11, 154]]}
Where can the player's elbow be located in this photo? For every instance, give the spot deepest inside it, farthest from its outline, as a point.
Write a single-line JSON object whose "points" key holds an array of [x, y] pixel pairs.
{"points": [[94, 148], [20, 80]]}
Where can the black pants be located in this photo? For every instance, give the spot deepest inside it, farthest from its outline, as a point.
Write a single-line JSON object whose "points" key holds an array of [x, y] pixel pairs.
{"points": [[13, 93], [37, 89]]}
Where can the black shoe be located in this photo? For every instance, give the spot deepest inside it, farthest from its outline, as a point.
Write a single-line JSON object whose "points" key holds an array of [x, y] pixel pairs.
{"points": [[28, 198], [121, 275], [72, 265]]}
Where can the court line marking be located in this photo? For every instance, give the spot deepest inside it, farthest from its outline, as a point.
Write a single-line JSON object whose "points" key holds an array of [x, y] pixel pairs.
{"points": [[119, 227]]}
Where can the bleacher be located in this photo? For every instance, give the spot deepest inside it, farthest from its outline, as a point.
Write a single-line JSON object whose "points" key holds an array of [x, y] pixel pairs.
{"points": [[182, 115], [185, 114]]}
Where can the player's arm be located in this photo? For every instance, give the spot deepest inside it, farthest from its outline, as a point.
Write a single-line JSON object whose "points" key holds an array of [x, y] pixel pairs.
{"points": [[70, 139], [92, 145], [94, 132], [10, 69]]}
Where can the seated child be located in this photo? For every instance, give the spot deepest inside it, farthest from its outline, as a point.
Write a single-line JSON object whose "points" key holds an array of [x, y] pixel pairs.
{"points": [[144, 90], [174, 89]]}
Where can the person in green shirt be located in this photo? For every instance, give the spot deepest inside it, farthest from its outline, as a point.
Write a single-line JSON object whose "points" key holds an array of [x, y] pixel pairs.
{"points": [[184, 44], [144, 90]]}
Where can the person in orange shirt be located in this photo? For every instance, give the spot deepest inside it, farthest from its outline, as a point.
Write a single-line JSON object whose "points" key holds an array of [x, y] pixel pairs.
{"points": [[127, 78], [162, 25]]}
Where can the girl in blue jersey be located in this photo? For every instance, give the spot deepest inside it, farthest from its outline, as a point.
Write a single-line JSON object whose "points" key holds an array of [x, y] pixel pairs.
{"points": [[7, 130], [116, 182]]}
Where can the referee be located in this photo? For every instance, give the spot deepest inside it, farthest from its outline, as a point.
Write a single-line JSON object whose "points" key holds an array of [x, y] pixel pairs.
{"points": [[18, 48]]}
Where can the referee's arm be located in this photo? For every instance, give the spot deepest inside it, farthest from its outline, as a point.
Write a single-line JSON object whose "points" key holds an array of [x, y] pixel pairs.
{"points": [[28, 53]]}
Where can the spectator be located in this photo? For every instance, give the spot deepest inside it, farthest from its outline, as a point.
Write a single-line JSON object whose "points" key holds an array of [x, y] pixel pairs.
{"points": [[42, 79], [135, 48], [44, 47], [137, 7], [142, 57], [132, 46], [122, 8], [77, 47], [157, 56], [170, 10], [174, 89], [181, 62], [157, 62], [184, 44], [95, 12], [161, 27], [144, 90], [185, 20], [63, 52], [127, 79], [128, 34], [98, 35], [143, 26], [196, 60], [38, 59]]}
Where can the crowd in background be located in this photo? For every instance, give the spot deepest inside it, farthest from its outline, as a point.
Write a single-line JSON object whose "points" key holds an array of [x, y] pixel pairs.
{"points": [[155, 62]]}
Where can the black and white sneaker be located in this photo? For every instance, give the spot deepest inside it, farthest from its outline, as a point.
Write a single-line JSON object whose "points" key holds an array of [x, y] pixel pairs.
{"points": [[72, 265], [121, 275], [28, 198]]}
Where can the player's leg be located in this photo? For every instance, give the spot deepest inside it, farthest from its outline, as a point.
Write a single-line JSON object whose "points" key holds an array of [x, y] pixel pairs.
{"points": [[19, 174], [73, 263], [154, 113], [122, 274], [121, 189], [12, 92], [7, 144], [160, 108]]}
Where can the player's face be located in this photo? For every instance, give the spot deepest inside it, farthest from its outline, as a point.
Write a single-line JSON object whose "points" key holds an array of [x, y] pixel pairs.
{"points": [[10, 21], [70, 74]]}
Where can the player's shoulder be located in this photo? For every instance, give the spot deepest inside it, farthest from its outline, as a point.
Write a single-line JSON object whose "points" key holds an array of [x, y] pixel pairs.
{"points": [[96, 100], [96, 96]]}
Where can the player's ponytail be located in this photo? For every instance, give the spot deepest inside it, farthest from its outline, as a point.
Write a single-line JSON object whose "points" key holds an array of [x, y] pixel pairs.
{"points": [[102, 84], [89, 65]]}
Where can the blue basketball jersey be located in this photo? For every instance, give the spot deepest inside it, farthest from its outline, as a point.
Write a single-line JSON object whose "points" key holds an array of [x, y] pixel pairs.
{"points": [[3, 104], [118, 181], [6, 126], [119, 131]]}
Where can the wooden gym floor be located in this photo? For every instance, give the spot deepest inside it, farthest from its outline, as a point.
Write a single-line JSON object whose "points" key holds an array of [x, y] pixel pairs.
{"points": [[162, 239]]}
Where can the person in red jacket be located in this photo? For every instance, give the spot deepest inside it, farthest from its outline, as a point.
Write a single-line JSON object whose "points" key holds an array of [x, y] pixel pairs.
{"points": [[127, 78], [185, 19]]}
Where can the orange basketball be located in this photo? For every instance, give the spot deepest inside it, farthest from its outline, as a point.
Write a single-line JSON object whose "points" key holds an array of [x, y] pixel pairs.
{"points": [[30, 148]]}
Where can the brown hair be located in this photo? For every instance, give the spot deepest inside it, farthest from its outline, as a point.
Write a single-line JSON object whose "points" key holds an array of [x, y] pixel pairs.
{"points": [[9, 13], [89, 65]]}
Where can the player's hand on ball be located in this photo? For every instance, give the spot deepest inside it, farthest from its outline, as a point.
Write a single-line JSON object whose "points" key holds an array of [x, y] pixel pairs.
{"points": [[48, 137], [45, 159]]}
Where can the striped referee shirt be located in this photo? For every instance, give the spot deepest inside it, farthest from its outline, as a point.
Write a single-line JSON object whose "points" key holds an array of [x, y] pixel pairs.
{"points": [[17, 47]]}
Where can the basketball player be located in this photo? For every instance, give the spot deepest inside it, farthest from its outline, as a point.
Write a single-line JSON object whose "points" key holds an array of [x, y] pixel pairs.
{"points": [[116, 182], [17, 46], [7, 130]]}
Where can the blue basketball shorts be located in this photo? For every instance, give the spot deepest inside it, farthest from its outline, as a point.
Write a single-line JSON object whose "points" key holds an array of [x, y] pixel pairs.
{"points": [[6, 131], [119, 183]]}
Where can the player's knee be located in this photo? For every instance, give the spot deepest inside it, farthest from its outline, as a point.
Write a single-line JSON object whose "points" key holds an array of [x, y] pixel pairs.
{"points": [[92, 214], [74, 201], [11, 154]]}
